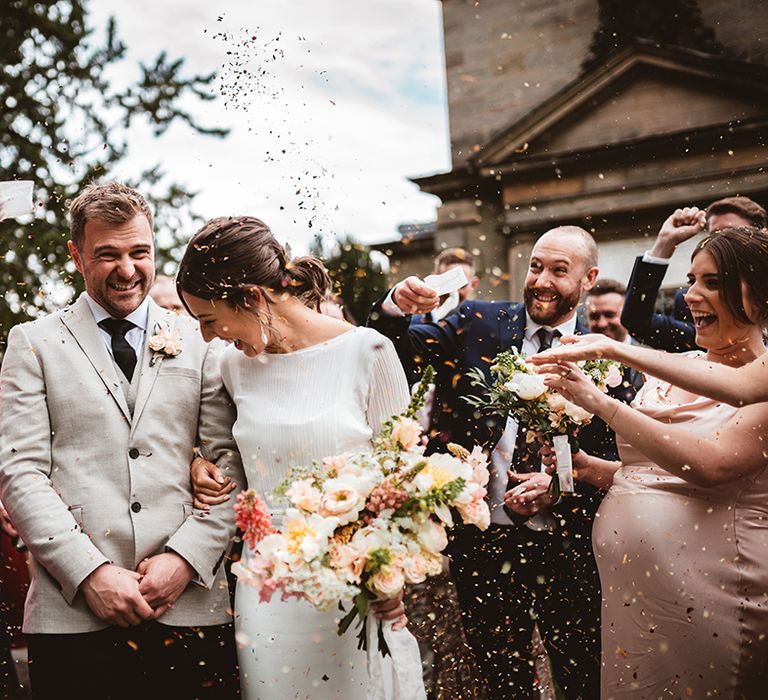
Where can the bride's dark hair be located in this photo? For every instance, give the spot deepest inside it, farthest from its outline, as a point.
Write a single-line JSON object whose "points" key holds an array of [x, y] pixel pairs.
{"points": [[741, 256], [229, 255]]}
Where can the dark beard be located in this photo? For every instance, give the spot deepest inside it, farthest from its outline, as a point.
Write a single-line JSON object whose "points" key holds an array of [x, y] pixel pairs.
{"points": [[562, 307]]}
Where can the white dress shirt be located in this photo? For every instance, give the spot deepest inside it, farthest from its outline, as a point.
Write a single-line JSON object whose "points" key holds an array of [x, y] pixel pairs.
{"points": [[654, 260], [135, 336]]}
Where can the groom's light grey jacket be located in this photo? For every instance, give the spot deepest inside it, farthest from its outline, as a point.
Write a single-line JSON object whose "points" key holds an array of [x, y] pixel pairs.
{"points": [[87, 482]]}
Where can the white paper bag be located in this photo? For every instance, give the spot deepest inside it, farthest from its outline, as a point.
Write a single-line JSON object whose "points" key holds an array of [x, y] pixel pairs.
{"points": [[564, 463], [15, 198]]}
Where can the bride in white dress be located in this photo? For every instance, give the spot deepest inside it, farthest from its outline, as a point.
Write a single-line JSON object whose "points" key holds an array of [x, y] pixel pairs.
{"points": [[306, 386]]}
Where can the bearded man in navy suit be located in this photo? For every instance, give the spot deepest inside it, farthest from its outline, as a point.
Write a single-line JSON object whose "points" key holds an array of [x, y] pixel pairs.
{"points": [[537, 567]]}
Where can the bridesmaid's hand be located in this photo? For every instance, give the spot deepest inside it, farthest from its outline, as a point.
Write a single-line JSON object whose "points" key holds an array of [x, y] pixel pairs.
{"points": [[569, 381], [579, 463], [391, 609], [210, 487], [574, 348]]}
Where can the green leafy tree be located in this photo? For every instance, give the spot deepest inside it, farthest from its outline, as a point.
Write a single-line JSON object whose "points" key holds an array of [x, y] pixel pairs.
{"points": [[64, 124], [356, 275]]}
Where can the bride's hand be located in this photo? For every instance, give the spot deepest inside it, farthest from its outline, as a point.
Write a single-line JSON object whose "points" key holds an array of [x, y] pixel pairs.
{"points": [[574, 348], [391, 609], [209, 485]]}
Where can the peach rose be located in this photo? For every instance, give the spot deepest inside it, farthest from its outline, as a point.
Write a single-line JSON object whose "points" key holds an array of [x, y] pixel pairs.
{"points": [[406, 432], [304, 495], [415, 568], [387, 582]]}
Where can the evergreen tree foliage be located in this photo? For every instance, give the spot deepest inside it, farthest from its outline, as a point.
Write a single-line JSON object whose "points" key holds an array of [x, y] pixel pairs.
{"points": [[64, 123], [357, 277]]}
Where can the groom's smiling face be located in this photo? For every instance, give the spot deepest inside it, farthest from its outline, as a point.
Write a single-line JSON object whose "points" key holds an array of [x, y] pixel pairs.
{"points": [[117, 263]]}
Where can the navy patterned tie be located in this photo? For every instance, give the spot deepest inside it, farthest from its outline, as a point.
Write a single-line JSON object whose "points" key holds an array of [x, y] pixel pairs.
{"points": [[124, 354]]}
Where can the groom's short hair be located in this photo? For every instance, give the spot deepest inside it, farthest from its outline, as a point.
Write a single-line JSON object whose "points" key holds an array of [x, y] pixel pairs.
{"points": [[111, 203]]}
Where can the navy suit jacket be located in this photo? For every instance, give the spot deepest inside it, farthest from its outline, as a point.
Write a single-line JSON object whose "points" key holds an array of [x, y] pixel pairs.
{"points": [[472, 337], [671, 333]]}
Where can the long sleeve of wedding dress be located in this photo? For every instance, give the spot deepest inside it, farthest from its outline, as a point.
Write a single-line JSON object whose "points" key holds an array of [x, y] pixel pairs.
{"points": [[388, 390]]}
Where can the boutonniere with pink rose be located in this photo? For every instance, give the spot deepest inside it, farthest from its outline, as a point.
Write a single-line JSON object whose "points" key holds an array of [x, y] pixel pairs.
{"points": [[164, 343]]}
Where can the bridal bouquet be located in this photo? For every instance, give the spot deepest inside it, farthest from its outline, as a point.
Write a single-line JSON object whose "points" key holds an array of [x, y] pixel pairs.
{"points": [[359, 526], [519, 392]]}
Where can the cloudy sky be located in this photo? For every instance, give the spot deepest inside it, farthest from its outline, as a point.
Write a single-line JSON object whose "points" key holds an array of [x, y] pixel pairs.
{"points": [[332, 105]]}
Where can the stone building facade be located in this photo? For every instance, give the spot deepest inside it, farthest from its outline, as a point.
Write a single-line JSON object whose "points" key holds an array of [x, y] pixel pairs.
{"points": [[600, 113]]}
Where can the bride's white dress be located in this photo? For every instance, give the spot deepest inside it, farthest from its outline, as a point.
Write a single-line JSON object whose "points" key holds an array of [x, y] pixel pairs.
{"points": [[292, 408]]}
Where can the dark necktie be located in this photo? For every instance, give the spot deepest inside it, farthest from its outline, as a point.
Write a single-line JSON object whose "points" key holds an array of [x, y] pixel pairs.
{"points": [[124, 354]]}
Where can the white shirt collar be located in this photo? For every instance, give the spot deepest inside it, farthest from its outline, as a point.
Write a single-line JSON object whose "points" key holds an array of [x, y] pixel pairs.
{"points": [[139, 317], [566, 328]]}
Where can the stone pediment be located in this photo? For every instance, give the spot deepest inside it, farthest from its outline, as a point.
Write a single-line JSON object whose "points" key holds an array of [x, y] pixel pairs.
{"points": [[642, 92]]}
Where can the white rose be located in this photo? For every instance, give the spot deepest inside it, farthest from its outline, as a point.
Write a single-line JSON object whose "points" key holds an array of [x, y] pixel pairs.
{"points": [[368, 538], [577, 413], [432, 536], [556, 402], [304, 495], [526, 386]]}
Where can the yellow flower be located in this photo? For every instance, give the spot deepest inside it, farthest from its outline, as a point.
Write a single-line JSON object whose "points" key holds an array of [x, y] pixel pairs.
{"points": [[440, 476], [296, 532]]}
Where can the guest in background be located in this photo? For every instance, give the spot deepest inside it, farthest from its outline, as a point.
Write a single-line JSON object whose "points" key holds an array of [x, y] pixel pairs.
{"points": [[676, 333], [164, 294], [605, 303]]}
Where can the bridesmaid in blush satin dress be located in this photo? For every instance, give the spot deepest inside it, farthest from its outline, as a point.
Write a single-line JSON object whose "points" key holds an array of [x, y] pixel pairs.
{"points": [[683, 570], [681, 537]]}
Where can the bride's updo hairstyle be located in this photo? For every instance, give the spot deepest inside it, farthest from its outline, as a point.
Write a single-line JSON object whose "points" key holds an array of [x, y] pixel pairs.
{"points": [[741, 258], [229, 255]]}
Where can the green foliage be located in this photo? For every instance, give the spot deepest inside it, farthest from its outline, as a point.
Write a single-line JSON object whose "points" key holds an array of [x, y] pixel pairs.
{"points": [[64, 124], [357, 277]]}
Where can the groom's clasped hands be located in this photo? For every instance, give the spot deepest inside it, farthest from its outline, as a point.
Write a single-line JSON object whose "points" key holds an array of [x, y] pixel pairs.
{"points": [[125, 598]]}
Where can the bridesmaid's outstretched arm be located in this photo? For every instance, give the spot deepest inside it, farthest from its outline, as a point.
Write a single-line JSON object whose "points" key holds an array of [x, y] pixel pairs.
{"points": [[740, 386], [737, 449]]}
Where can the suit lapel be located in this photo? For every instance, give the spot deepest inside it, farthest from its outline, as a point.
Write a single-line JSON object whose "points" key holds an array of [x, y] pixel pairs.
{"points": [[148, 368], [511, 327], [80, 322]]}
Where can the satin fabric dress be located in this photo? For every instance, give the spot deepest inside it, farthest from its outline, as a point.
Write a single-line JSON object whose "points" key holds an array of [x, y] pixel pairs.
{"points": [[684, 572]]}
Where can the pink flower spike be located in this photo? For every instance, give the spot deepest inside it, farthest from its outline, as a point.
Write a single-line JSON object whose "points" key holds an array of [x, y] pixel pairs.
{"points": [[252, 517]]}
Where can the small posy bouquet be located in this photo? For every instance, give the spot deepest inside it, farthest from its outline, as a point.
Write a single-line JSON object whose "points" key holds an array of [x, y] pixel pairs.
{"points": [[519, 392], [360, 526]]}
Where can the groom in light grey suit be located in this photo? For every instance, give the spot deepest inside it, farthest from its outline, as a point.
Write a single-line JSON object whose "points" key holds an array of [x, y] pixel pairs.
{"points": [[101, 407]]}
